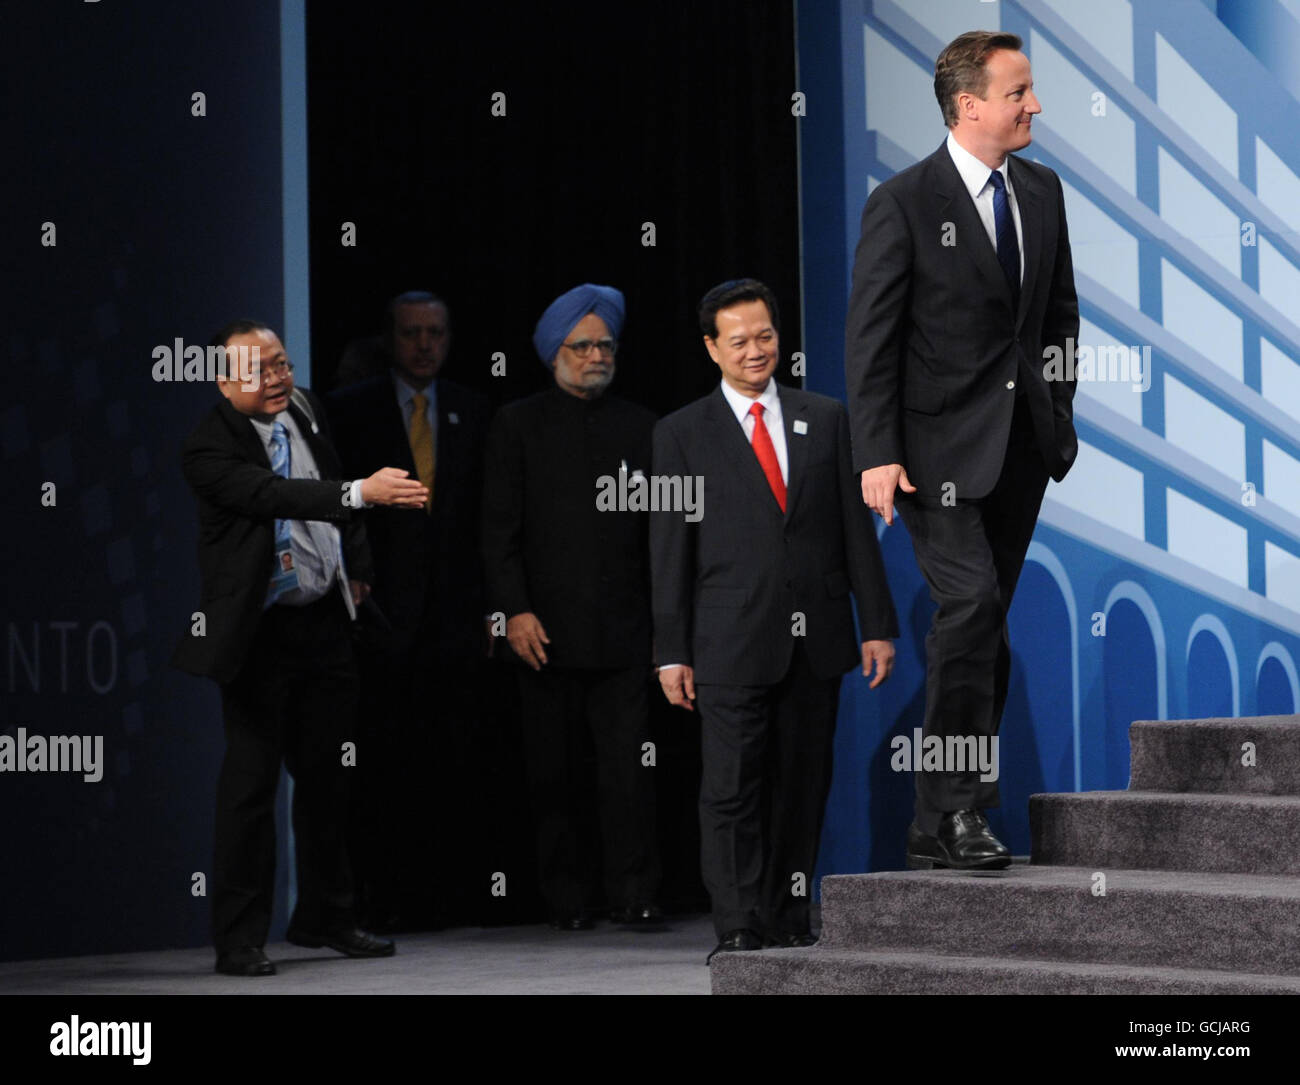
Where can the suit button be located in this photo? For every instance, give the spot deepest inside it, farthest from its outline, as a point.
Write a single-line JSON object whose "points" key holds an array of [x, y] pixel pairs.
{"points": [[1010, 385]]}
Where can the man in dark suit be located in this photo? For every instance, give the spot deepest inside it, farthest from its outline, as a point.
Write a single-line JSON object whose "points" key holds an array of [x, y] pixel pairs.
{"points": [[574, 584], [752, 618], [274, 633], [963, 293], [415, 843]]}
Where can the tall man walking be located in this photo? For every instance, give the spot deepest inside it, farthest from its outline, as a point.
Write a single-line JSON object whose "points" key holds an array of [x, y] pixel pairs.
{"points": [[962, 287]]}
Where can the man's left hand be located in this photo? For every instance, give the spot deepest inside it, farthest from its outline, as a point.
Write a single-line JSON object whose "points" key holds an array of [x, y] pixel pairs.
{"points": [[881, 653], [360, 591]]}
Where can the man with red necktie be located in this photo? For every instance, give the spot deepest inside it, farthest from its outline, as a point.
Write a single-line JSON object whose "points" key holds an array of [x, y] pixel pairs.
{"points": [[752, 618]]}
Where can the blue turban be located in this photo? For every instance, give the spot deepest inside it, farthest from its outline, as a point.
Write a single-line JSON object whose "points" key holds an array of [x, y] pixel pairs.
{"points": [[566, 310]]}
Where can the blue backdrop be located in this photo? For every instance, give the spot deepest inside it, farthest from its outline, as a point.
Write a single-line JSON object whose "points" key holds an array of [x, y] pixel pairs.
{"points": [[1164, 578], [135, 214]]}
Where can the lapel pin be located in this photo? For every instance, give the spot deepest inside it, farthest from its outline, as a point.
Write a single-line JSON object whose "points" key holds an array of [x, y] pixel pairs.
{"points": [[453, 418], [800, 426]]}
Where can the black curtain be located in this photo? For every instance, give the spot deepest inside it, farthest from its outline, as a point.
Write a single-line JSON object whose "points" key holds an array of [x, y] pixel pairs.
{"points": [[616, 116], [676, 114]]}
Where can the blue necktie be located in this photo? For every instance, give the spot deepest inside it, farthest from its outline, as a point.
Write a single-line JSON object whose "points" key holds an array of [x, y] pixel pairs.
{"points": [[282, 582], [1005, 231]]}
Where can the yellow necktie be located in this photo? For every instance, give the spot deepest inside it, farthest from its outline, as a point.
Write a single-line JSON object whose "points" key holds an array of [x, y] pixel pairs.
{"points": [[422, 444]]}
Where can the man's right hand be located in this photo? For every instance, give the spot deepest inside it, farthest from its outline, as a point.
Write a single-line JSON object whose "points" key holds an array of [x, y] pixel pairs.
{"points": [[526, 637], [393, 486], [878, 486], [678, 684]]}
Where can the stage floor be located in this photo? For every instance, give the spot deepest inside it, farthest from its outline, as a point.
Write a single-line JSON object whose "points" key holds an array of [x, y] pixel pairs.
{"points": [[467, 960]]}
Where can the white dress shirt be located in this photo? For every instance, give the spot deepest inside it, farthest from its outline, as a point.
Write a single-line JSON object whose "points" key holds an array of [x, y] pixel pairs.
{"points": [[741, 404], [975, 175], [317, 545]]}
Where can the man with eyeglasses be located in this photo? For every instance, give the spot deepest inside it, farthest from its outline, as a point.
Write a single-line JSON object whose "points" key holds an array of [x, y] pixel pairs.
{"points": [[573, 582], [284, 562]]}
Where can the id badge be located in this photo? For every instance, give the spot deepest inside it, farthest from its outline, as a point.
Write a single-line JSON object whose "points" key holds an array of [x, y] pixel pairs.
{"points": [[285, 577]]}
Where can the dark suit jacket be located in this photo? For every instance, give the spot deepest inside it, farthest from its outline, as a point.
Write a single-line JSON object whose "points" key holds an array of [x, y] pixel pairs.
{"points": [[932, 343], [239, 499], [547, 548], [428, 567], [726, 588]]}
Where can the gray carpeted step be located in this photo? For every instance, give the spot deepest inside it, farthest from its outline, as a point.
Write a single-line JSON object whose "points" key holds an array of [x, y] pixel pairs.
{"points": [[1233, 922], [1201, 857], [1207, 755], [1155, 830], [882, 972]]}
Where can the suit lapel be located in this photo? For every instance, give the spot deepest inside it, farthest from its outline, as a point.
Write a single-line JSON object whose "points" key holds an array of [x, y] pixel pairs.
{"points": [[738, 452], [796, 448], [447, 447], [327, 465], [956, 206], [245, 436], [396, 433], [1033, 227]]}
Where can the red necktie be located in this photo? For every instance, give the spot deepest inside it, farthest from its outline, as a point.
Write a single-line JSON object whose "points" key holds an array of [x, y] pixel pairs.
{"points": [[766, 453]]}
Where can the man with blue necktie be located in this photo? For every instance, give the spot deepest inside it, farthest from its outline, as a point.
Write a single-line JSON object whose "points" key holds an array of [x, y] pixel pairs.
{"points": [[284, 563], [963, 292]]}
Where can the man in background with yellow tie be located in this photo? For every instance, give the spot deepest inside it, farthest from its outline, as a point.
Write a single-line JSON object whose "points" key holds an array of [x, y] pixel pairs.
{"points": [[414, 847]]}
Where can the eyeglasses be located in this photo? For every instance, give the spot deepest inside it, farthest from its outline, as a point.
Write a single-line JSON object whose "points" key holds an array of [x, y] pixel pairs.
{"points": [[583, 347], [280, 370]]}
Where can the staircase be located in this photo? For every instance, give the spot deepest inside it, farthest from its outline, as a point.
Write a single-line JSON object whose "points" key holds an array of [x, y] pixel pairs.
{"points": [[1201, 866]]}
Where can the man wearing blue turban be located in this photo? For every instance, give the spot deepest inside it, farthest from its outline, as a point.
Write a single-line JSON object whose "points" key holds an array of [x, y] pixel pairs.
{"points": [[574, 584], [562, 315]]}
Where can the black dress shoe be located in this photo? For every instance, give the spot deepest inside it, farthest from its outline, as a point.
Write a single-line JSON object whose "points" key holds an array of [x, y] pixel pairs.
{"points": [[350, 941], [641, 915], [245, 961], [572, 921], [791, 940], [964, 842], [736, 942]]}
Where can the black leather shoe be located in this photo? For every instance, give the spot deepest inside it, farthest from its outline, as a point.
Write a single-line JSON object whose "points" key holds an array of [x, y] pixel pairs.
{"points": [[350, 941], [641, 915], [245, 961], [572, 921], [736, 942], [964, 842], [791, 940]]}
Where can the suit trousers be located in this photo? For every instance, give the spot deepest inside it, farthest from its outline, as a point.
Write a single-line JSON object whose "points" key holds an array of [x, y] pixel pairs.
{"points": [[294, 701], [571, 718], [766, 753], [971, 553]]}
